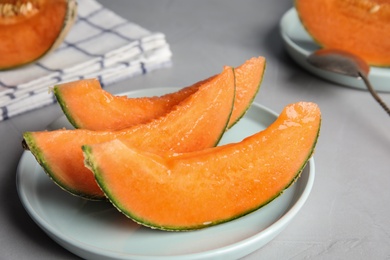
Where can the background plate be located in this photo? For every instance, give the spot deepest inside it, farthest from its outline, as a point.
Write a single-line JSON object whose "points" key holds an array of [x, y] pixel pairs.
{"points": [[300, 45], [95, 230]]}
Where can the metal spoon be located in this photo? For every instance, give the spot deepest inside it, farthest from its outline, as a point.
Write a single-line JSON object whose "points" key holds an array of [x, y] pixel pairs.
{"points": [[345, 63]]}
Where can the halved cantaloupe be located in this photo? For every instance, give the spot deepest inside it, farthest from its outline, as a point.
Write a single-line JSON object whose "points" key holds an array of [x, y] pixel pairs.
{"points": [[31, 29], [185, 128], [358, 26], [82, 100], [203, 188]]}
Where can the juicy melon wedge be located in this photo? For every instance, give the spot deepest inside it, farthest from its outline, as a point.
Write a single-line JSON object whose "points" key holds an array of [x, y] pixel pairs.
{"points": [[81, 100], [186, 191], [248, 77], [186, 128]]}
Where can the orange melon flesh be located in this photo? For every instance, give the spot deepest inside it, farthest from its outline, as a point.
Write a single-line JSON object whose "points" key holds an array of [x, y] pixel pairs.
{"points": [[358, 26], [249, 77], [82, 100], [28, 33], [185, 128], [198, 189]]}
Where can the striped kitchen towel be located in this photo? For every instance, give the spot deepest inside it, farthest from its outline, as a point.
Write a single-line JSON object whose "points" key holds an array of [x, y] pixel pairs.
{"points": [[100, 45]]}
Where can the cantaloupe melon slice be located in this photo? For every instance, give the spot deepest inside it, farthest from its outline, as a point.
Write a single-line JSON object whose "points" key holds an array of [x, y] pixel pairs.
{"points": [[82, 100], [199, 189], [248, 77], [196, 123], [361, 27]]}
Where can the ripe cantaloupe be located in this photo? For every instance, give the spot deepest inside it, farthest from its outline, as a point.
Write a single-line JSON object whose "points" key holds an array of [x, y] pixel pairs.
{"points": [[358, 26], [31, 29], [82, 100], [185, 128], [186, 191]]}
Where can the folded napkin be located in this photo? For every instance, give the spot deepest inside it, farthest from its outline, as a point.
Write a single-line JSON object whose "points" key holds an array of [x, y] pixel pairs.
{"points": [[100, 45]]}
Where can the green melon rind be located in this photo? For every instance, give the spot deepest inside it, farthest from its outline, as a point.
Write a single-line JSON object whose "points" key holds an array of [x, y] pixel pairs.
{"points": [[30, 144], [231, 111], [69, 19], [64, 107], [92, 165], [251, 101]]}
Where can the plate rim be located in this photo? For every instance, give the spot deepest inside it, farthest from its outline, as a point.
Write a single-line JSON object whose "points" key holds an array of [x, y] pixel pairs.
{"points": [[239, 248]]}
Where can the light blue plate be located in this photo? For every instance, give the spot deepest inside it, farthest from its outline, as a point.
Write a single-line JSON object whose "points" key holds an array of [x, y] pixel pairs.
{"points": [[300, 45], [96, 230]]}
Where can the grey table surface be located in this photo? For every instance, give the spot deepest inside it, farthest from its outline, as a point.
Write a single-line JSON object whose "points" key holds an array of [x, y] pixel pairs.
{"points": [[347, 215]]}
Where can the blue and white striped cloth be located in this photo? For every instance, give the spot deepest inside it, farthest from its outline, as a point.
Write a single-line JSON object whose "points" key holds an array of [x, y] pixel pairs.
{"points": [[100, 44]]}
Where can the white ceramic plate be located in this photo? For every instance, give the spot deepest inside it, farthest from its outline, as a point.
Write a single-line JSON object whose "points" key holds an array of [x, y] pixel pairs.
{"points": [[95, 230], [299, 45]]}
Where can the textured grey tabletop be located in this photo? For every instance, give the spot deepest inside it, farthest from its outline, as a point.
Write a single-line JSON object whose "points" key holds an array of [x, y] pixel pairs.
{"points": [[347, 213]]}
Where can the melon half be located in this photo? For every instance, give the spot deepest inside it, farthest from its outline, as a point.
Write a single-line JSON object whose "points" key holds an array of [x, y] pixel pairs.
{"points": [[361, 27]]}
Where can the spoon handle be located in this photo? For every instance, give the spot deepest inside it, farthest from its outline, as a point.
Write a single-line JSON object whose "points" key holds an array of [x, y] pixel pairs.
{"points": [[374, 94]]}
